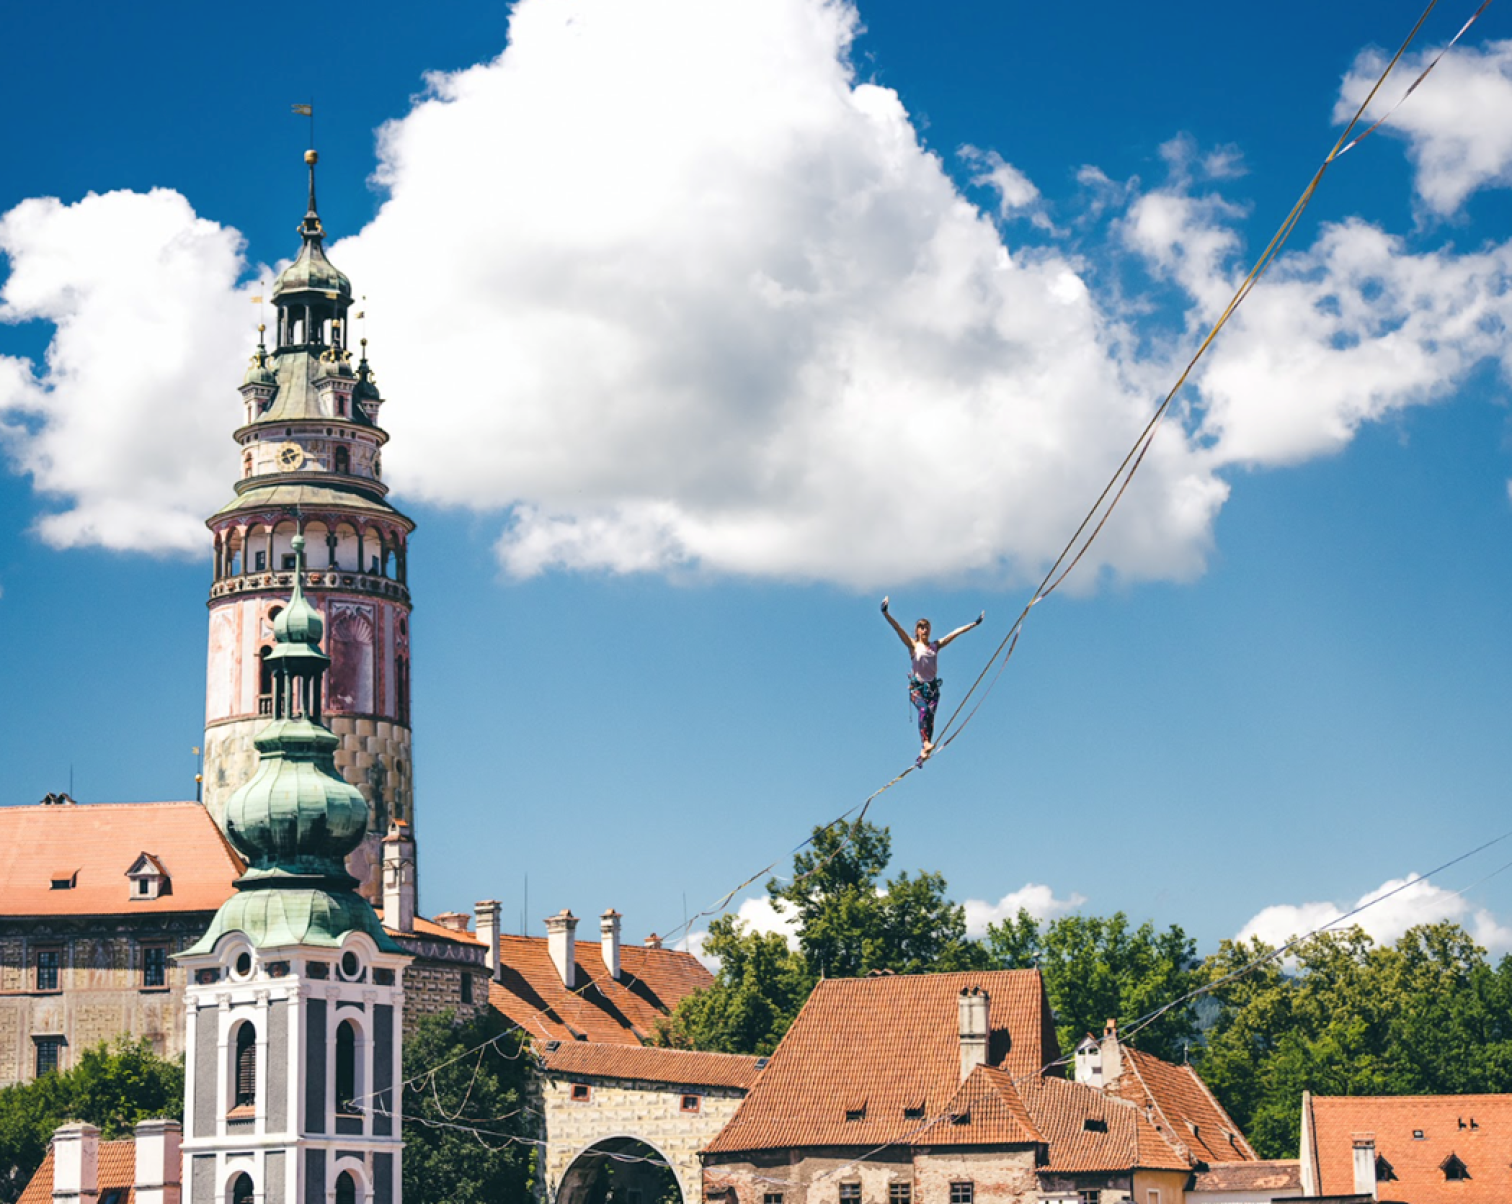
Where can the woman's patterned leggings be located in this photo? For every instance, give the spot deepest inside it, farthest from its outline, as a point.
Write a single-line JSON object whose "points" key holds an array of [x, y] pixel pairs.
{"points": [[926, 696]]}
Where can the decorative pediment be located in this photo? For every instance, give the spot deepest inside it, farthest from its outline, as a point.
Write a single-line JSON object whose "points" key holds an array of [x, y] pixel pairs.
{"points": [[148, 878]]}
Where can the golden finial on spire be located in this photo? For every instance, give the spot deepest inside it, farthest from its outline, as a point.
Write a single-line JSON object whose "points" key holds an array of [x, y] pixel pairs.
{"points": [[311, 158]]}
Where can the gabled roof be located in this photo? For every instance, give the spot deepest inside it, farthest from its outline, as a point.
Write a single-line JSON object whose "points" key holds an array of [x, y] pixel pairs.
{"points": [[987, 1110], [1119, 1136], [116, 1172], [102, 841], [882, 1047], [599, 1008], [678, 1067], [1483, 1144], [146, 864], [1183, 1107]]}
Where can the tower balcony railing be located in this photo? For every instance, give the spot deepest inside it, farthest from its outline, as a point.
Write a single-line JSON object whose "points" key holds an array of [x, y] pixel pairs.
{"points": [[318, 579]]}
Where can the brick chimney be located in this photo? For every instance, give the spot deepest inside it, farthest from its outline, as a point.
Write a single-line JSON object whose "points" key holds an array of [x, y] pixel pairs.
{"points": [[76, 1164], [561, 940], [158, 1162], [487, 925], [1364, 1164], [399, 877], [452, 921], [653, 941], [609, 934], [972, 1012]]}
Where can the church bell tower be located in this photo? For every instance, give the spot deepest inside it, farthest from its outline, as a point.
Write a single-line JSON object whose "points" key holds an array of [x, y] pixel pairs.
{"points": [[311, 465]]}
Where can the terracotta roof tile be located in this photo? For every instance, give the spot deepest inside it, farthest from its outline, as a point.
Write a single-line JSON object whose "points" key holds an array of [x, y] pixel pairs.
{"points": [[1276, 1175], [685, 1068], [883, 1046], [651, 983], [1184, 1106], [101, 841], [116, 1171], [430, 928], [1485, 1149], [1118, 1138]]}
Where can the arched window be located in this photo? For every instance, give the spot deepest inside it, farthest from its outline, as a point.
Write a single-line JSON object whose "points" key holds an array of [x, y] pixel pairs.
{"points": [[343, 460], [245, 1090], [241, 1188], [346, 1068], [346, 1188]]}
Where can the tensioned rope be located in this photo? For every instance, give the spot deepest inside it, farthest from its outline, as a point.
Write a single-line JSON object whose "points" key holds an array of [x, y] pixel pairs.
{"points": [[1096, 518]]}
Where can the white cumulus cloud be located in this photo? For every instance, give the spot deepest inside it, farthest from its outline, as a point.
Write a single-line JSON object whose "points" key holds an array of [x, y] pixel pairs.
{"points": [[1458, 124], [668, 289], [1420, 903], [757, 914], [1037, 899]]}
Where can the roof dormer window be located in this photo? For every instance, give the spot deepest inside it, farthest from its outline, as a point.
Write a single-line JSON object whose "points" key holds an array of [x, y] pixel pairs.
{"points": [[148, 878], [1453, 1168], [64, 879]]}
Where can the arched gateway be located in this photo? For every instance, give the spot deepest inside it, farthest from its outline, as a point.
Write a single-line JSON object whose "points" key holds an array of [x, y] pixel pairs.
{"points": [[621, 1170]]}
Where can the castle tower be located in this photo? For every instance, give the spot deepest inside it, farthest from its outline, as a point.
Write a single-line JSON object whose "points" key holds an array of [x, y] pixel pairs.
{"points": [[294, 1004], [311, 463]]}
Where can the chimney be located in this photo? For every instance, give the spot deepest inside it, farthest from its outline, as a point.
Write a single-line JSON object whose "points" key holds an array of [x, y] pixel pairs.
{"points": [[399, 878], [158, 1161], [76, 1164], [1111, 1054], [1364, 1164], [561, 939], [1089, 1063], [972, 1009], [609, 934], [487, 913], [653, 941], [452, 921]]}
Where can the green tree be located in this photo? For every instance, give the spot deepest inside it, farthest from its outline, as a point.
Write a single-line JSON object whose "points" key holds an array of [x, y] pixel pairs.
{"points": [[1427, 1015], [1098, 968], [849, 922], [112, 1087], [468, 1134]]}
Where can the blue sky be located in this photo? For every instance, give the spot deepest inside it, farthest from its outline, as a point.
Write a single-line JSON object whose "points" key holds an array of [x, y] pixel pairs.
{"points": [[698, 337]]}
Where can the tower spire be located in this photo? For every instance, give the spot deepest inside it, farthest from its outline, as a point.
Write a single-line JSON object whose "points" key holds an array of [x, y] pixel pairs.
{"points": [[311, 229]]}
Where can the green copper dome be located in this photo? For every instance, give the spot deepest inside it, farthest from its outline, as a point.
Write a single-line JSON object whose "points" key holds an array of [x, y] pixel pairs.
{"points": [[260, 371], [311, 271]]}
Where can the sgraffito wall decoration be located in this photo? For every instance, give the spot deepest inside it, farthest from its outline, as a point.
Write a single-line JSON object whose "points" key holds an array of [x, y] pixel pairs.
{"points": [[349, 686]]}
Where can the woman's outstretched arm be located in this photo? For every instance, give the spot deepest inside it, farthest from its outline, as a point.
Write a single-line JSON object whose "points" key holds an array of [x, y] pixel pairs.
{"points": [[961, 630], [896, 626]]}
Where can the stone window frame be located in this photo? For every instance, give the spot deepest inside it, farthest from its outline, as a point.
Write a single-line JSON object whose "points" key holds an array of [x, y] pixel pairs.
{"points": [[691, 1102], [581, 1093], [151, 954], [54, 1042], [900, 1192], [850, 1192], [963, 1191], [54, 972]]}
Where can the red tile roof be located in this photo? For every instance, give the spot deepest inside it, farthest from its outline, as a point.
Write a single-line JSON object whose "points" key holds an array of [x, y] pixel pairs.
{"points": [[1119, 1138], [682, 1067], [1275, 1175], [116, 1171], [1484, 1144], [882, 1047], [429, 928], [1184, 1108], [987, 1110], [99, 842], [599, 1008]]}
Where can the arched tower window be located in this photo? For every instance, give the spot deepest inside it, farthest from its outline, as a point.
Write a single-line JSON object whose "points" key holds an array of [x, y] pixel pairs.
{"points": [[343, 458], [241, 1190], [264, 681], [244, 1093], [346, 1188], [346, 1068]]}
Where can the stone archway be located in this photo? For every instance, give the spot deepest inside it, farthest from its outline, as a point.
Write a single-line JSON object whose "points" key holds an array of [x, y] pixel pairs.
{"points": [[620, 1170]]}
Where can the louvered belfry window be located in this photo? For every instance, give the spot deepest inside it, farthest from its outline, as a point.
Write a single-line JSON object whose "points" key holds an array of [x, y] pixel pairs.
{"points": [[246, 1067]]}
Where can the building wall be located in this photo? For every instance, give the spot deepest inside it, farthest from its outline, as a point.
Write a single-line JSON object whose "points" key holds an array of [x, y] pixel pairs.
{"points": [[1003, 1176], [647, 1111], [1160, 1187], [100, 993], [432, 987]]}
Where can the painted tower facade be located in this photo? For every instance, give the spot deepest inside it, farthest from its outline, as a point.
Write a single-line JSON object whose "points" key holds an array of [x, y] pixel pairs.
{"points": [[311, 463], [294, 1006]]}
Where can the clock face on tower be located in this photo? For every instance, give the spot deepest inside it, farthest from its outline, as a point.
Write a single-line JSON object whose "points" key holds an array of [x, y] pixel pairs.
{"points": [[290, 456]]}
